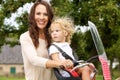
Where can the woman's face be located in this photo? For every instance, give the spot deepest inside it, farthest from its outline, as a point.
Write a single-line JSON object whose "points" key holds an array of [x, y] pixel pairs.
{"points": [[41, 16]]}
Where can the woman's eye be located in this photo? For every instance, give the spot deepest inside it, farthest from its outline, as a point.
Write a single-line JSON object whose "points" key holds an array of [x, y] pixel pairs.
{"points": [[38, 13], [45, 14]]}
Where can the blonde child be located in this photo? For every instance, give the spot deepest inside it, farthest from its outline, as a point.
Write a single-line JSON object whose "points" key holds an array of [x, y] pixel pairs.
{"points": [[61, 31]]}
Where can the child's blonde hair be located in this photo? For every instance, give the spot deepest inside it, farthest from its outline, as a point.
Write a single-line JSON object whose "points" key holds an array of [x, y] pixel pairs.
{"points": [[67, 25]]}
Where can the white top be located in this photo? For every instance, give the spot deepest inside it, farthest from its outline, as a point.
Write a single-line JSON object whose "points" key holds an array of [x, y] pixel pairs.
{"points": [[67, 49], [35, 59], [64, 46]]}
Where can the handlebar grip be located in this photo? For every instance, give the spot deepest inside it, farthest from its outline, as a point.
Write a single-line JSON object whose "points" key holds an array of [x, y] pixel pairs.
{"points": [[75, 63], [92, 58]]}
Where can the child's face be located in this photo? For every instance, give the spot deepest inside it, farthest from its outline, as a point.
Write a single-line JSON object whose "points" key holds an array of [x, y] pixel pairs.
{"points": [[57, 33]]}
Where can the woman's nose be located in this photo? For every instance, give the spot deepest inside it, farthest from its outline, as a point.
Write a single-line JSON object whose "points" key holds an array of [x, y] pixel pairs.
{"points": [[41, 16]]}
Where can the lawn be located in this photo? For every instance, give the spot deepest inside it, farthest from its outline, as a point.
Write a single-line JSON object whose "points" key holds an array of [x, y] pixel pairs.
{"points": [[98, 77], [14, 78], [10, 78]]}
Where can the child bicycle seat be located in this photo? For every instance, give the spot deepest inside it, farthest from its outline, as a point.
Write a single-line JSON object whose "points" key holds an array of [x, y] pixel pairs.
{"points": [[73, 75], [77, 64]]}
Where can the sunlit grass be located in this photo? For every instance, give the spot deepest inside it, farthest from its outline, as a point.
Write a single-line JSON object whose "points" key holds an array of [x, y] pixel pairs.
{"points": [[116, 74], [10, 78], [98, 77]]}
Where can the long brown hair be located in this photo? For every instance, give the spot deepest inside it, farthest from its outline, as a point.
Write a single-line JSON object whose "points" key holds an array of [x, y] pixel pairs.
{"points": [[33, 29]]}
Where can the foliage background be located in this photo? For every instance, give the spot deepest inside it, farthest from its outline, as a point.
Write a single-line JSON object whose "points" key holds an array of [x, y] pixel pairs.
{"points": [[105, 14]]}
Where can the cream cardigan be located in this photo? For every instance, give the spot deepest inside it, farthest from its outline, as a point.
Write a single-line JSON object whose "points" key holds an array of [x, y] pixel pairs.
{"points": [[35, 59]]}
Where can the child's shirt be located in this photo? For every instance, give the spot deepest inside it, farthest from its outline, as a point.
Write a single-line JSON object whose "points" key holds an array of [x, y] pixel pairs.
{"points": [[64, 46], [67, 49]]}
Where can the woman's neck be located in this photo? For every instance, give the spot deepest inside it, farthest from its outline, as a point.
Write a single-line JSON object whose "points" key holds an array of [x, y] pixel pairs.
{"points": [[41, 34]]}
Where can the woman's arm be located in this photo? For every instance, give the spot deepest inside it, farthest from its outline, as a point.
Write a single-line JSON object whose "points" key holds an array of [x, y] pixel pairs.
{"points": [[29, 52], [53, 64]]}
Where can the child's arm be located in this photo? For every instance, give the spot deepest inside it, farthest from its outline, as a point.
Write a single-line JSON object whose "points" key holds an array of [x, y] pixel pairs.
{"points": [[55, 56]]}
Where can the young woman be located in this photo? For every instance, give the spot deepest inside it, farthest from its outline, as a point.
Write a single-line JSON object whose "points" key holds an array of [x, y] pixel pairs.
{"points": [[61, 31], [34, 44]]}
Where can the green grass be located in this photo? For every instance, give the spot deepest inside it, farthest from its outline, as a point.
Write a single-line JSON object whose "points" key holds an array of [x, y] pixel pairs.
{"points": [[10, 78], [99, 77], [116, 74]]}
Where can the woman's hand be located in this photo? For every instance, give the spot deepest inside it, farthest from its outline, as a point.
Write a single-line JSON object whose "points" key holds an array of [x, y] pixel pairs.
{"points": [[66, 64]]}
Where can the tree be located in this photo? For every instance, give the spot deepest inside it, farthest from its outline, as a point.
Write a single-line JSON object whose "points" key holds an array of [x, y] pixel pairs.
{"points": [[9, 34], [62, 7]]}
